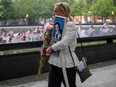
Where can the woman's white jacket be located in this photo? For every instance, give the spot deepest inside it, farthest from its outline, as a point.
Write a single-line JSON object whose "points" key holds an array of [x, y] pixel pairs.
{"points": [[68, 40]]}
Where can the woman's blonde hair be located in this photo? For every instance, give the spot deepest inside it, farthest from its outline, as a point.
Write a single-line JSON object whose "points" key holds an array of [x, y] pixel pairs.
{"points": [[65, 8]]}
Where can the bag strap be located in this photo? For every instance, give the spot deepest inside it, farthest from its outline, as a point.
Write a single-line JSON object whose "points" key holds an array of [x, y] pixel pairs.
{"points": [[71, 56], [83, 58], [81, 46]]}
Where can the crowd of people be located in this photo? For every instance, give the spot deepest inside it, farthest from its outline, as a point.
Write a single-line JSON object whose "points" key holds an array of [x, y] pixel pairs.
{"points": [[92, 31], [37, 34], [14, 37]]}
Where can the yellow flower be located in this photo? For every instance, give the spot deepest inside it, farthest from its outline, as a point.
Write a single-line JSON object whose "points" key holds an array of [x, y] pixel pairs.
{"points": [[46, 43]]}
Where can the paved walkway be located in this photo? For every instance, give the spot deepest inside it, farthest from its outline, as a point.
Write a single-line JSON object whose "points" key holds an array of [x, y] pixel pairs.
{"points": [[104, 75]]}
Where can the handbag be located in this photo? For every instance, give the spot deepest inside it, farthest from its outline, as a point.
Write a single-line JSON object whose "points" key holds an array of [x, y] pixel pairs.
{"points": [[82, 69], [85, 73]]}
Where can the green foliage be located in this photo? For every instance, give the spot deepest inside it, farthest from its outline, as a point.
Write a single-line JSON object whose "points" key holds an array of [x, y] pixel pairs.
{"points": [[77, 8], [7, 9], [1, 12], [102, 7], [44, 8], [114, 1], [34, 8]]}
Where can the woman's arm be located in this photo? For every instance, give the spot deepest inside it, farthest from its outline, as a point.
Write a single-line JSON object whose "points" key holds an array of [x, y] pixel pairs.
{"points": [[67, 38]]}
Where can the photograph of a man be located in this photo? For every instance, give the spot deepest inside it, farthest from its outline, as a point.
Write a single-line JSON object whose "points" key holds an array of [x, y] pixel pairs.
{"points": [[58, 33]]}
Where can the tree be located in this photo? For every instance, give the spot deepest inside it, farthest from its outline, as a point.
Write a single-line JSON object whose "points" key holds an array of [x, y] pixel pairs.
{"points": [[1, 12], [77, 8], [7, 9], [114, 1], [35, 8], [102, 8]]}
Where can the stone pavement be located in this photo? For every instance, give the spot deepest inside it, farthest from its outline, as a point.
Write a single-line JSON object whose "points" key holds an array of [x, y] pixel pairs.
{"points": [[104, 75]]}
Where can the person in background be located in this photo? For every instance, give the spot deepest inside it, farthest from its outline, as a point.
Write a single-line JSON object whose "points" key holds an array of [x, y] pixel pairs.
{"points": [[113, 30], [3, 32], [56, 76], [91, 31], [81, 32], [105, 29]]}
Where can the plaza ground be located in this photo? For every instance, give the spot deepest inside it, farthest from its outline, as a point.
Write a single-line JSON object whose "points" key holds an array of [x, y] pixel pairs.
{"points": [[103, 75]]}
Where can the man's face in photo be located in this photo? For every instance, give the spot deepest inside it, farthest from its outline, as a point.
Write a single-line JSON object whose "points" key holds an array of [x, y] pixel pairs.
{"points": [[57, 28]]}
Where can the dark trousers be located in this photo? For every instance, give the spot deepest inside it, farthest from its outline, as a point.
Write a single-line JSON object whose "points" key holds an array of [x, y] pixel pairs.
{"points": [[56, 77]]}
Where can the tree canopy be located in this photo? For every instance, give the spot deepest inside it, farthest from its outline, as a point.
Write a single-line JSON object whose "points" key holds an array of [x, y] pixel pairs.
{"points": [[15, 9]]}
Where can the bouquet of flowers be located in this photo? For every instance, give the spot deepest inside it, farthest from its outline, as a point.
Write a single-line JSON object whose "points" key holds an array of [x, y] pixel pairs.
{"points": [[46, 44]]}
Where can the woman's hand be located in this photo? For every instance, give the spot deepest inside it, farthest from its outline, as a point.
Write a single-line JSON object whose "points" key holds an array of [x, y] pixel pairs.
{"points": [[49, 50], [43, 52]]}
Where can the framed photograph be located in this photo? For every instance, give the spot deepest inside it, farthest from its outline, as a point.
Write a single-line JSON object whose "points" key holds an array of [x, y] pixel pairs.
{"points": [[58, 28], [58, 31]]}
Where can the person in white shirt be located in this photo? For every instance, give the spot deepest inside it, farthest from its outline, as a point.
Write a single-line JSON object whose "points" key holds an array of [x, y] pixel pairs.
{"points": [[81, 32], [113, 30], [56, 75], [105, 29], [91, 31]]}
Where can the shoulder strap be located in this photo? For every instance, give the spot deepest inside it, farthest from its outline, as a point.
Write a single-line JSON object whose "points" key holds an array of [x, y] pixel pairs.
{"points": [[82, 50], [71, 56], [81, 46]]}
